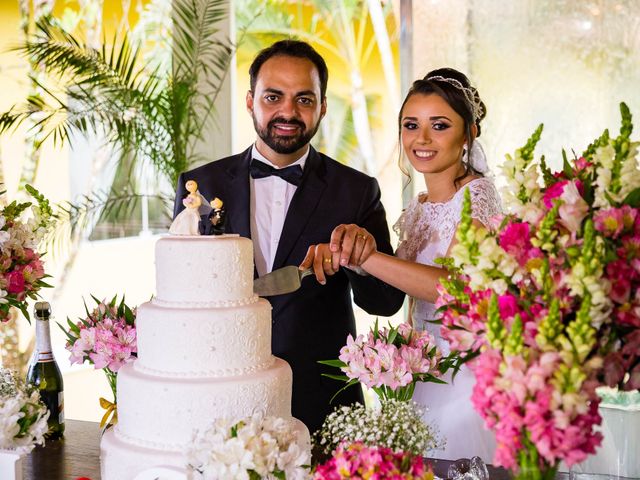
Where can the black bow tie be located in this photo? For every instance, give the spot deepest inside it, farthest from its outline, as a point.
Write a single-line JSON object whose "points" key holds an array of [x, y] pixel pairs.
{"points": [[291, 174]]}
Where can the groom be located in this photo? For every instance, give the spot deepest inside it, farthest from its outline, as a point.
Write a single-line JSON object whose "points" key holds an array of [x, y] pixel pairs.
{"points": [[285, 196]]}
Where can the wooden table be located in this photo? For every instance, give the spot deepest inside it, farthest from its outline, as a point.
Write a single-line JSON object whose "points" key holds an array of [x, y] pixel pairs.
{"points": [[78, 455]]}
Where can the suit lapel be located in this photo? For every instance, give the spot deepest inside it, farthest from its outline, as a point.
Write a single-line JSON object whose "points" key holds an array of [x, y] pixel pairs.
{"points": [[303, 205], [238, 209]]}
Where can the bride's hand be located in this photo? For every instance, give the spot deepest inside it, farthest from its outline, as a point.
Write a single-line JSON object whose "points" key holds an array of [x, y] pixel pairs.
{"points": [[353, 244], [322, 260]]}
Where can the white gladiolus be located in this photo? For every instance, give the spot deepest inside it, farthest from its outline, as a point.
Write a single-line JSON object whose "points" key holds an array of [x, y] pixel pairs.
{"points": [[629, 174]]}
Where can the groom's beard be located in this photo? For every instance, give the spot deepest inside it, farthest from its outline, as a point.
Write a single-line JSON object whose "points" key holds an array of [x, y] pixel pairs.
{"points": [[285, 144]]}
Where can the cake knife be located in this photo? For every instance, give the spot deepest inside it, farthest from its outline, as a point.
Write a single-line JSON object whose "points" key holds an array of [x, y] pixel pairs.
{"points": [[280, 281]]}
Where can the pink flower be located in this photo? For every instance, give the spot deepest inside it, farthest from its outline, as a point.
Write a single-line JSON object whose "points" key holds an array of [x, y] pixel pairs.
{"points": [[573, 208], [552, 192], [620, 273], [610, 221], [515, 239], [508, 305], [413, 359], [582, 164], [629, 216], [15, 282], [398, 376]]}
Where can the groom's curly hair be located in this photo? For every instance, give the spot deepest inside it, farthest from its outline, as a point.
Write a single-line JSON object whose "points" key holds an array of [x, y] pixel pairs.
{"points": [[290, 48]]}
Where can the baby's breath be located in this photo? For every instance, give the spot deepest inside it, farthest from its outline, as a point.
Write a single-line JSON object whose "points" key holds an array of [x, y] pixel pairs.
{"points": [[394, 424]]}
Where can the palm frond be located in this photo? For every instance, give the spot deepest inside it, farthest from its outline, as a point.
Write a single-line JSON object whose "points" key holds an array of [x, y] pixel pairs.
{"points": [[72, 219]]}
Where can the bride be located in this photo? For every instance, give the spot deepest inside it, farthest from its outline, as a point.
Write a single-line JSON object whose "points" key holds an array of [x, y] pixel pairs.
{"points": [[439, 122]]}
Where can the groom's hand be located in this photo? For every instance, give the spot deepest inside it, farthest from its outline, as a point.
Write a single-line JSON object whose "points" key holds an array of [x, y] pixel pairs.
{"points": [[322, 260], [353, 244]]}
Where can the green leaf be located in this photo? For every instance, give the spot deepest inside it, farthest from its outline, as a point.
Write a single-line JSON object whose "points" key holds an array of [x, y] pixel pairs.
{"points": [[349, 384], [566, 166], [333, 363], [342, 378], [633, 198]]}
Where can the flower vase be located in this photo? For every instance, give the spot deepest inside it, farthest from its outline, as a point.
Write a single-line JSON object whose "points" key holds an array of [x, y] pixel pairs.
{"points": [[10, 465], [617, 458], [534, 473], [110, 416], [531, 466]]}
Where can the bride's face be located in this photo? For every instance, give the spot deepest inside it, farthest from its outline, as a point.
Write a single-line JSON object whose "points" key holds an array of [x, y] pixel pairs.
{"points": [[432, 134]]}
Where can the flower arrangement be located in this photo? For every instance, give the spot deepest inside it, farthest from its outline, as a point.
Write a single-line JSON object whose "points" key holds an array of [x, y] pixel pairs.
{"points": [[394, 424], [390, 361], [21, 268], [253, 448], [358, 461], [106, 338], [546, 304], [23, 417]]}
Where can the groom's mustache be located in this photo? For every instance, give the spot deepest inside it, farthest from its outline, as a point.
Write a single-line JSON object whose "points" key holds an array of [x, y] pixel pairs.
{"points": [[291, 121]]}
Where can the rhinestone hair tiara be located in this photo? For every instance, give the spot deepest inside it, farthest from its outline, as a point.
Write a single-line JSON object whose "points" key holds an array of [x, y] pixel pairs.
{"points": [[469, 94]]}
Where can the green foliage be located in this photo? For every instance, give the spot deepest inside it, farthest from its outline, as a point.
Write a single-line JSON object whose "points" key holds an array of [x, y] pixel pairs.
{"points": [[496, 332], [526, 153], [621, 146], [547, 175], [145, 115]]}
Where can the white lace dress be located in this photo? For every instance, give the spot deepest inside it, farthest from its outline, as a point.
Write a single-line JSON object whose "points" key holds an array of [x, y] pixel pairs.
{"points": [[426, 231]]}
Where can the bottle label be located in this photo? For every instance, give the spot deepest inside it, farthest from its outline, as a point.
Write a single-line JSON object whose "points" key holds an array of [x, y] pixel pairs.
{"points": [[60, 408], [43, 338]]}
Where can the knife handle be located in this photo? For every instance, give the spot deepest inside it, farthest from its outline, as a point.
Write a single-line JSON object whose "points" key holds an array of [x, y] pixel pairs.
{"points": [[306, 273]]}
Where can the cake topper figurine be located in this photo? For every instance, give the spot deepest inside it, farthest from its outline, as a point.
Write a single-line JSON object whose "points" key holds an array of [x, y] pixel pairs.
{"points": [[186, 222], [213, 224]]}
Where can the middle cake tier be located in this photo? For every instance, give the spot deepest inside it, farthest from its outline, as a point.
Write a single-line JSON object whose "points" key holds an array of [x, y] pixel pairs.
{"points": [[204, 342], [157, 412]]}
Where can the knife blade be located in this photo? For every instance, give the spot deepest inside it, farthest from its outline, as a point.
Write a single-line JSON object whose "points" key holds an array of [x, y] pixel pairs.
{"points": [[280, 281]]}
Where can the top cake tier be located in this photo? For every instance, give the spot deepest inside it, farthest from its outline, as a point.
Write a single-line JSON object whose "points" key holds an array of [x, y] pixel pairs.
{"points": [[204, 271]]}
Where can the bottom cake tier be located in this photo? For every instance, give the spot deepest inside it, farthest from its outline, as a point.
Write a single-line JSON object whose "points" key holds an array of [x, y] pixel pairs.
{"points": [[162, 412], [120, 460]]}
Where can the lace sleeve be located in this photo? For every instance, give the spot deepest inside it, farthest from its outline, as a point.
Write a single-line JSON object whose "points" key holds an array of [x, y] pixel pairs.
{"points": [[402, 228], [485, 201]]}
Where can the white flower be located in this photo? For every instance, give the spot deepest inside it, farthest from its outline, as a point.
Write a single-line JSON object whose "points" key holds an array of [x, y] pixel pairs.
{"points": [[254, 445], [17, 403], [393, 424]]}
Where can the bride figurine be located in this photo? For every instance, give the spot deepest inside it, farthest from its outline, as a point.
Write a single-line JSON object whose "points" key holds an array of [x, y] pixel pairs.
{"points": [[186, 222]]}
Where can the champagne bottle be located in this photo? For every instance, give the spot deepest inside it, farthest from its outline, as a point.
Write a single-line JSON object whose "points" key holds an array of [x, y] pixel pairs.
{"points": [[44, 372]]}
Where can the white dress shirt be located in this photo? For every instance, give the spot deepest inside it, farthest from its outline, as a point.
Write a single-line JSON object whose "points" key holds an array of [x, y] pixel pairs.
{"points": [[270, 200]]}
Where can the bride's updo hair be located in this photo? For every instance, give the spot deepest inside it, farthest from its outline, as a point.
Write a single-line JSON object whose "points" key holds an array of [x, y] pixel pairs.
{"points": [[456, 89]]}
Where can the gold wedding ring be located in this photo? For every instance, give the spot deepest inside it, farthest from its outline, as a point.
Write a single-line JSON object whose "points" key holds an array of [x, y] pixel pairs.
{"points": [[327, 260], [360, 235]]}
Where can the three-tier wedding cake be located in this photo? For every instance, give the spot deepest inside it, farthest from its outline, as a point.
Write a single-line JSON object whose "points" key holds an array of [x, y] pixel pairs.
{"points": [[204, 352]]}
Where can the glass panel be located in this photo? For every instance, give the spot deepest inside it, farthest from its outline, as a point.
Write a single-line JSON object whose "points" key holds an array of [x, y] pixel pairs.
{"points": [[567, 64]]}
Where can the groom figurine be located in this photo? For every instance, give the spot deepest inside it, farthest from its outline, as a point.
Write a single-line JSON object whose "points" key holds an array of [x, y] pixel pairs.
{"points": [[286, 196]]}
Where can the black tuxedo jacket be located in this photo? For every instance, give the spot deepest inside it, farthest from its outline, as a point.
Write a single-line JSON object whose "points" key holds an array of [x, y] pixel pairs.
{"points": [[312, 323]]}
